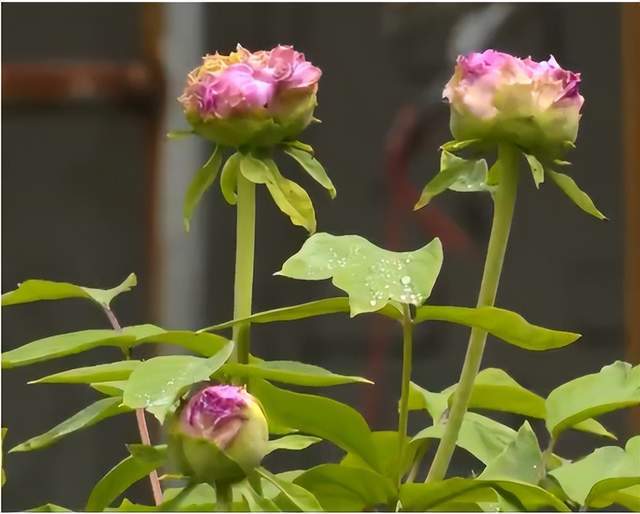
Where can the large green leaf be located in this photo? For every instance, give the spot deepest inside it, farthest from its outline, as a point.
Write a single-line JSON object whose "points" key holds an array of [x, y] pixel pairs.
{"points": [[517, 471], [157, 383], [319, 416], [313, 167], [290, 372], [99, 373], [62, 345], [126, 473], [342, 488], [255, 501], [102, 409], [302, 311], [202, 181], [298, 496], [455, 173], [206, 345], [192, 497], [482, 437], [615, 387], [386, 447], [591, 480], [421, 497], [494, 389], [371, 276], [575, 194], [49, 507], [629, 498], [503, 324], [36, 290], [292, 442]]}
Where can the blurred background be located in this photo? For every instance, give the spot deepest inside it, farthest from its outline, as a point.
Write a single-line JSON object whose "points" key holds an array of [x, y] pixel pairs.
{"points": [[92, 191]]}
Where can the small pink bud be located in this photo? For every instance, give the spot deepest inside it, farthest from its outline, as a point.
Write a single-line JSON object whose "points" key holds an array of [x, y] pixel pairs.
{"points": [[220, 433]]}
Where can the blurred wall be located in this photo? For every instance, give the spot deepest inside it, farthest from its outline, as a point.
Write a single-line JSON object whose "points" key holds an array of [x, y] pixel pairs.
{"points": [[74, 200]]}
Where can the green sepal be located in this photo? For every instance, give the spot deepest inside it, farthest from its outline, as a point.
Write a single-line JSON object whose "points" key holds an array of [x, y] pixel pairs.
{"points": [[569, 187], [455, 173], [229, 178], [536, 167], [203, 180], [312, 166]]}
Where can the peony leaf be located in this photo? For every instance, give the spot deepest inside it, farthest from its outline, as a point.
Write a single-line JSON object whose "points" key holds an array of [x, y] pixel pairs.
{"points": [[124, 474], [494, 389], [616, 386], [292, 442], [577, 196], [202, 181], [94, 413], [290, 372], [313, 167], [99, 373], [481, 436], [430, 496], [371, 276], [591, 480], [158, 382], [503, 324], [318, 416], [297, 495], [339, 488], [64, 344], [35, 290]]}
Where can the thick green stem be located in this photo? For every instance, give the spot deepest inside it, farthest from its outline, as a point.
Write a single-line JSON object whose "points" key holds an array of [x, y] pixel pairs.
{"points": [[243, 290], [403, 420], [224, 497], [504, 202]]}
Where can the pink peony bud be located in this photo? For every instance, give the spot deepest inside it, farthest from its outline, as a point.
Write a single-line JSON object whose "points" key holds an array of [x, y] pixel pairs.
{"points": [[220, 433], [245, 98], [495, 96]]}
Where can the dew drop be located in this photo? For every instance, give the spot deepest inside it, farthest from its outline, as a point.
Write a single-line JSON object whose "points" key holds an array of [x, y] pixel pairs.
{"points": [[406, 280]]}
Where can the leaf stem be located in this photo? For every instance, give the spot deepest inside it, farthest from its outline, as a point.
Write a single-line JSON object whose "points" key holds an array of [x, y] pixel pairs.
{"points": [[407, 350], [243, 287], [143, 430], [504, 200], [224, 496]]}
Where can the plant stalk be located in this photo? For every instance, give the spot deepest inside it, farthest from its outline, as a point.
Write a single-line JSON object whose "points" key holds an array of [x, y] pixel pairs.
{"points": [[243, 287], [224, 497], [504, 200], [143, 430], [407, 351]]}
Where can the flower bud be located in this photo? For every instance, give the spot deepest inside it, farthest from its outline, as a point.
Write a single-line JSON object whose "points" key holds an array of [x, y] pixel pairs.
{"points": [[497, 97], [219, 434], [251, 98]]}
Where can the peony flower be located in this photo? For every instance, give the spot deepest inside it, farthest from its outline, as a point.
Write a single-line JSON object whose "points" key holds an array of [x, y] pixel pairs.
{"points": [[251, 98], [220, 433], [495, 96]]}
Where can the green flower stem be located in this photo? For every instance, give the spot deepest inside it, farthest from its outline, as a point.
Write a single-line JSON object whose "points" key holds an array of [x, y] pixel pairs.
{"points": [[245, 242], [224, 497], [504, 200], [407, 350], [143, 430]]}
